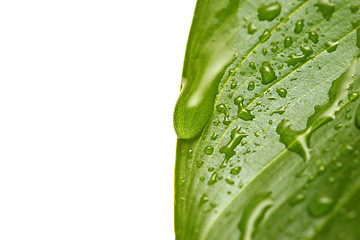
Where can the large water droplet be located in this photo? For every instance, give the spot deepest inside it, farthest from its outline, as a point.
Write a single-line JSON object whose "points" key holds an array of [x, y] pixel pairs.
{"points": [[267, 73], [321, 205], [243, 112], [326, 8], [269, 11], [297, 199], [294, 59], [235, 138]]}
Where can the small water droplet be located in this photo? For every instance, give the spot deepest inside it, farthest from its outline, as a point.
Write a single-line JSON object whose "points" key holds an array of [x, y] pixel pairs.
{"points": [[265, 36], [314, 37], [321, 205], [214, 136], [348, 117], [236, 137], [321, 170], [297, 199], [213, 178], [331, 46], [264, 51], [251, 86], [189, 153], [299, 25], [204, 198], [235, 171], [269, 11], [288, 41], [252, 65], [252, 28], [233, 85], [228, 181], [199, 163], [208, 150], [353, 96], [282, 92]]}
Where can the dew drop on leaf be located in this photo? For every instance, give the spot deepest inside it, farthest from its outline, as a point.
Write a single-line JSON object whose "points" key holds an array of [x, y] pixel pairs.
{"points": [[252, 65], [252, 28], [299, 25], [297, 199], [213, 178], [326, 8], [267, 73], [208, 150], [321, 205], [235, 171], [314, 37], [282, 92], [251, 86], [331, 46], [288, 41], [269, 11], [265, 36]]}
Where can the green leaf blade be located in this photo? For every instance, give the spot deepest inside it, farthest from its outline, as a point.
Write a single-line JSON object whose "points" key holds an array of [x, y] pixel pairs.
{"points": [[218, 191]]}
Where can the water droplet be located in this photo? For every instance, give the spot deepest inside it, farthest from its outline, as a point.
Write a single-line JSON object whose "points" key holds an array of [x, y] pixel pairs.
{"points": [[265, 36], [208, 150], [267, 73], [353, 96], [235, 171], [199, 163], [214, 136], [251, 86], [252, 65], [299, 25], [348, 117], [354, 8], [213, 178], [228, 181], [233, 85], [269, 11], [294, 59], [297, 199], [326, 8], [235, 138], [357, 117], [204, 198], [321, 205], [281, 110], [314, 37], [282, 92], [288, 42], [321, 170], [189, 153], [338, 126], [252, 28], [243, 112], [331, 46]]}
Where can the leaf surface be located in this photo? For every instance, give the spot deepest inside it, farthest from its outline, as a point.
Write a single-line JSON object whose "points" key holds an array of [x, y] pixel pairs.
{"points": [[268, 120]]}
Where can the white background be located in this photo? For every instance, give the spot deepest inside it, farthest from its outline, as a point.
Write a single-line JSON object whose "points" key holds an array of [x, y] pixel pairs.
{"points": [[87, 91]]}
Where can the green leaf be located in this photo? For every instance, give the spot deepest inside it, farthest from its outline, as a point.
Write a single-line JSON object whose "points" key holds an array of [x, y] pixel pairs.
{"points": [[268, 121]]}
